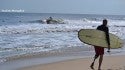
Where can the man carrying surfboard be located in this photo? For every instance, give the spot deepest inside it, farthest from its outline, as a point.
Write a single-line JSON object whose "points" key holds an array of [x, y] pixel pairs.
{"points": [[99, 51]]}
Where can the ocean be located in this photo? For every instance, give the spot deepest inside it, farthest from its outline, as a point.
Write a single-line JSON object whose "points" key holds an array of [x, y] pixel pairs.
{"points": [[28, 33]]}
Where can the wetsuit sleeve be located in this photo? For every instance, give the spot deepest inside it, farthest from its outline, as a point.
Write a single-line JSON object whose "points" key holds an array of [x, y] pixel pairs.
{"points": [[98, 28], [106, 30], [107, 36]]}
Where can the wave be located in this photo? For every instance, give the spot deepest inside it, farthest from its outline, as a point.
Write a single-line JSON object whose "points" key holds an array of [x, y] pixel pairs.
{"points": [[39, 26], [35, 28], [83, 20], [43, 21], [27, 28], [65, 21]]}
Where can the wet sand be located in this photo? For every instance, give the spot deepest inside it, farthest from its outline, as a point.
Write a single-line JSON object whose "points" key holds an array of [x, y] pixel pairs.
{"points": [[109, 63]]}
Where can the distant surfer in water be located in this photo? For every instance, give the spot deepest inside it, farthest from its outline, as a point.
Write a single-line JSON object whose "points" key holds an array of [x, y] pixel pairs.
{"points": [[99, 51], [49, 20]]}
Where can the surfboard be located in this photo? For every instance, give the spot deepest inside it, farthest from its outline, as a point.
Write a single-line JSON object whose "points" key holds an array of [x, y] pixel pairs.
{"points": [[98, 38]]}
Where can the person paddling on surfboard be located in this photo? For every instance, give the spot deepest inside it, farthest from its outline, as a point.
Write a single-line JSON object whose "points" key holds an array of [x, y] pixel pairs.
{"points": [[99, 51]]}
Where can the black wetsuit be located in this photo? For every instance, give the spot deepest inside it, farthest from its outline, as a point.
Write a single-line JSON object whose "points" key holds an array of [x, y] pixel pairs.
{"points": [[106, 30]]}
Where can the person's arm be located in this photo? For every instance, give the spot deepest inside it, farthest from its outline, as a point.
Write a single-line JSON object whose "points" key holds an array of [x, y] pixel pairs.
{"points": [[108, 39]]}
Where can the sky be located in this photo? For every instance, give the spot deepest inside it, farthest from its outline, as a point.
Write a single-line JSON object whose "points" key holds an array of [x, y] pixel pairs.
{"points": [[107, 7]]}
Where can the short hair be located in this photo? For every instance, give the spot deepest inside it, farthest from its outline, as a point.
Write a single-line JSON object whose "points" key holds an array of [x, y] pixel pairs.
{"points": [[105, 21]]}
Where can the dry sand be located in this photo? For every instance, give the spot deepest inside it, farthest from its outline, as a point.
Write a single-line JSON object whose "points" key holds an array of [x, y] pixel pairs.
{"points": [[109, 63]]}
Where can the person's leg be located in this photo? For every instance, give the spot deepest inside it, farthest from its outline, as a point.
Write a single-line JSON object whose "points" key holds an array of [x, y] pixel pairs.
{"points": [[100, 61], [92, 64]]}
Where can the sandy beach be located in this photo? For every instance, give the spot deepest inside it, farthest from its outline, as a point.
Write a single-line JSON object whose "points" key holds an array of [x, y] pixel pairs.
{"points": [[109, 63]]}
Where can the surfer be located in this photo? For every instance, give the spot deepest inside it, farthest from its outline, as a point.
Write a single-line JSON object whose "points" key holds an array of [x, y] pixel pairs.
{"points": [[99, 51], [49, 20]]}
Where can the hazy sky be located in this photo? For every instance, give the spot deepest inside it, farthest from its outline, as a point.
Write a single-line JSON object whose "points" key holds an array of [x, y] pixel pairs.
{"points": [[112, 7]]}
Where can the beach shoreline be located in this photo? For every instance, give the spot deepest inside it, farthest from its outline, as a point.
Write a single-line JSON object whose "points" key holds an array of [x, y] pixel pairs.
{"points": [[14, 63], [109, 63], [67, 54], [65, 51]]}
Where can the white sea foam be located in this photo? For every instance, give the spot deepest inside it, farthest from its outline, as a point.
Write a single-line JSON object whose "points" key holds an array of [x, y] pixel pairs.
{"points": [[28, 37]]}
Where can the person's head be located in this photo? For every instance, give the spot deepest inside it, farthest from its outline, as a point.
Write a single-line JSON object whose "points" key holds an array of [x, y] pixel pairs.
{"points": [[105, 22], [50, 17]]}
